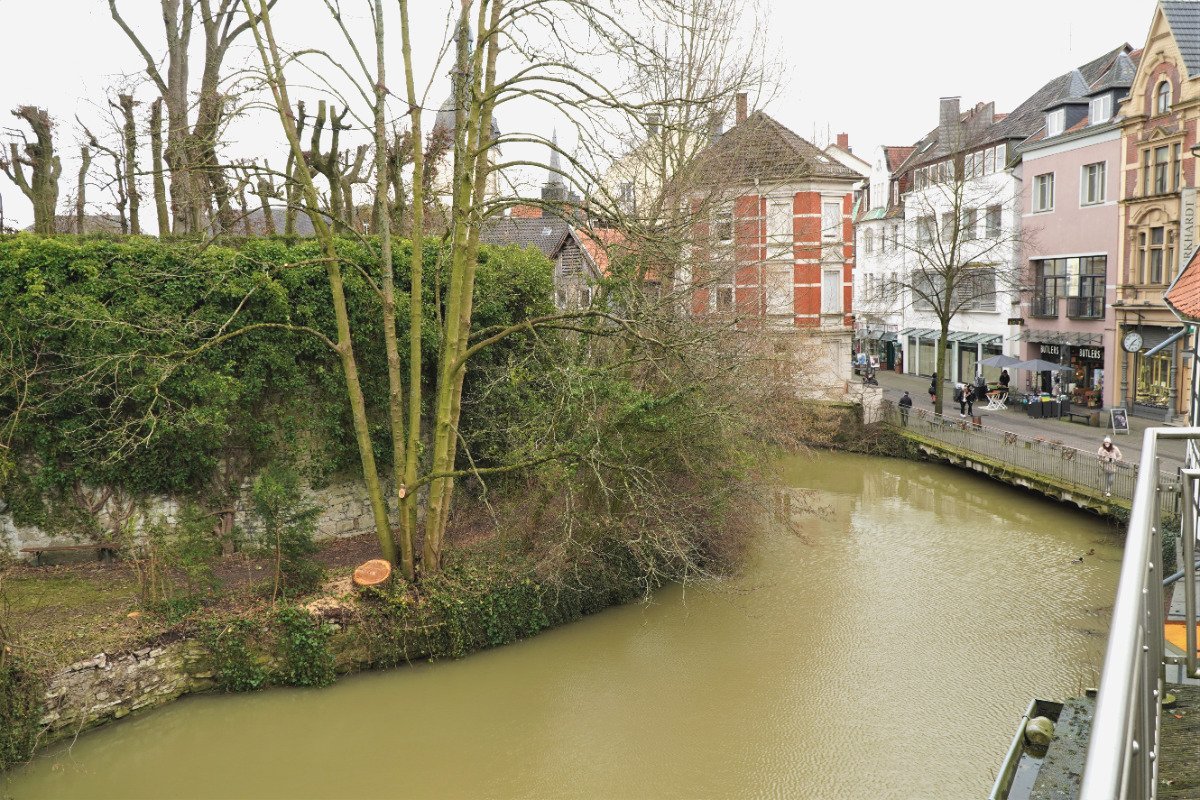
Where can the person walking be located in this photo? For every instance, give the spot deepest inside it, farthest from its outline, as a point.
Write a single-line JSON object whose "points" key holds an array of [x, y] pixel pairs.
{"points": [[1108, 454], [969, 399], [905, 404], [960, 397], [933, 389]]}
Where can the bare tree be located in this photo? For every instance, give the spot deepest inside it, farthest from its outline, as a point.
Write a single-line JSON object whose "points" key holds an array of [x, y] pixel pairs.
{"points": [[129, 139], [157, 168], [85, 163], [45, 167]]}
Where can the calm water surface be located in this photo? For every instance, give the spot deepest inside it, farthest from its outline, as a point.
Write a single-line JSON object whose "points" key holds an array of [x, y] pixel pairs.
{"points": [[883, 647]]}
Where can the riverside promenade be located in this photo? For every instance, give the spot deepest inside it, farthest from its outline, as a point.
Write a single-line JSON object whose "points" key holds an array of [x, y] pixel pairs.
{"points": [[1058, 431]]}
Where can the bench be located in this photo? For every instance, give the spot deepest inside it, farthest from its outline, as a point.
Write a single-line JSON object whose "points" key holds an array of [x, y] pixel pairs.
{"points": [[1074, 416], [106, 551]]}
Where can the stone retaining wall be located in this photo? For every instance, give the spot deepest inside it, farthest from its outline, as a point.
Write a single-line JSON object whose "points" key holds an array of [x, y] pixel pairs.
{"points": [[345, 512]]}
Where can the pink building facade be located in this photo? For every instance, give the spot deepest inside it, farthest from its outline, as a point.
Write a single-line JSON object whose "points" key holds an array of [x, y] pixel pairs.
{"points": [[1070, 245]]}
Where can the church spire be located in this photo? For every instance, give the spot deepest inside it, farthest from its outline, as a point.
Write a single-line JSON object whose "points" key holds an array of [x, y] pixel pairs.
{"points": [[554, 174]]}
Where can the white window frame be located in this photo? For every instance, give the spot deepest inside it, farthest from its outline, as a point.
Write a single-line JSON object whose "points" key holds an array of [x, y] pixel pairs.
{"points": [[1087, 182], [1043, 201], [720, 216], [1161, 107], [831, 298], [1100, 109], [831, 232], [1056, 122]]}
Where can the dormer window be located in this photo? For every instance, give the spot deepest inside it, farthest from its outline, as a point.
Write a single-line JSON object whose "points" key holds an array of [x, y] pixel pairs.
{"points": [[1056, 122], [1101, 109], [1162, 98]]}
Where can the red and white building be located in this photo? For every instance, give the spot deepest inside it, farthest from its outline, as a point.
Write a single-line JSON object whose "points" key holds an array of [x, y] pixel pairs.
{"points": [[776, 248]]}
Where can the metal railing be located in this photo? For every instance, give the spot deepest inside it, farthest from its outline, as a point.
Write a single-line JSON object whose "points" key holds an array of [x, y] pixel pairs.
{"points": [[1069, 467], [1122, 757], [1085, 307], [1043, 306]]}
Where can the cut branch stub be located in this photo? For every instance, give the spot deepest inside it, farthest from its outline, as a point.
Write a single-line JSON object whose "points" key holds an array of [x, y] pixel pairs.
{"points": [[375, 572]]}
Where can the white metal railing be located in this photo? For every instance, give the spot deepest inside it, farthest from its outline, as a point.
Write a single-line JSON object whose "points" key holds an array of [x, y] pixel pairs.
{"points": [[1073, 468], [1122, 757]]}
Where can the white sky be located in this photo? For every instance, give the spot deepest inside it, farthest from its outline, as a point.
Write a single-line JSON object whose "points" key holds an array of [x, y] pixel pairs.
{"points": [[872, 68]]}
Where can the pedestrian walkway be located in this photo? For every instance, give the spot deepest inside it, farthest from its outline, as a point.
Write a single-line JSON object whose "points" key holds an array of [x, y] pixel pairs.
{"points": [[1056, 430]]}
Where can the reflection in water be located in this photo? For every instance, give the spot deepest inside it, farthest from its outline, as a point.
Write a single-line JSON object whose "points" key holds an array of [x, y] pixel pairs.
{"points": [[887, 651]]}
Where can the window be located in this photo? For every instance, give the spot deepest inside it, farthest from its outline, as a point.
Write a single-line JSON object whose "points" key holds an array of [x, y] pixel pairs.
{"points": [[585, 297], [925, 229], [627, 194], [969, 223], [1162, 98], [868, 241], [1089, 300], [989, 161], [1154, 256], [831, 221], [723, 225], [1056, 122], [948, 231], [1091, 184], [1176, 167], [1001, 157], [1043, 192], [1101, 109], [560, 298], [969, 164], [1051, 276], [1145, 172], [1161, 159], [724, 299], [779, 221], [975, 290], [994, 221], [831, 291]]}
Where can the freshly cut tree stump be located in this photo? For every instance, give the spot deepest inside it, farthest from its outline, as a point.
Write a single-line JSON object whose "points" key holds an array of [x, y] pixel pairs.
{"points": [[375, 572]]}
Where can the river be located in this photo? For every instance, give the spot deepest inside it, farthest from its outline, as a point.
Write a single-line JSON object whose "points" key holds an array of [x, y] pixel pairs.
{"points": [[883, 644]]}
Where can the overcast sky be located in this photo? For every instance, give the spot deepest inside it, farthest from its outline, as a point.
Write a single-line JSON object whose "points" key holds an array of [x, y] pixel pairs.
{"points": [[872, 68]]}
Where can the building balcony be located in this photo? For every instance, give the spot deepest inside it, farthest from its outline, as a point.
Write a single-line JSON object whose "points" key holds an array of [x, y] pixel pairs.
{"points": [[1085, 307], [1045, 307]]}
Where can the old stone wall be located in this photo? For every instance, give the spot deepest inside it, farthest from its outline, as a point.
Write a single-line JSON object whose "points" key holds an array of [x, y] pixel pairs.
{"points": [[104, 688], [345, 511]]}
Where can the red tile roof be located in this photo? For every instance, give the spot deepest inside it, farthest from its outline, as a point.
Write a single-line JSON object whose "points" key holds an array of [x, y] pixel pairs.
{"points": [[1183, 295], [896, 156]]}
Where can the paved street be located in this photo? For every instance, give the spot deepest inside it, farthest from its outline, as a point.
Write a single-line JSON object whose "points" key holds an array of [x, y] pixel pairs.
{"points": [[1016, 421]]}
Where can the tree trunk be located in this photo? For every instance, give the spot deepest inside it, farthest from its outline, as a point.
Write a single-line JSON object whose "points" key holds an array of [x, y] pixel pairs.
{"points": [[376, 572], [939, 366], [45, 168], [85, 162], [272, 65], [408, 498], [130, 141], [156, 168]]}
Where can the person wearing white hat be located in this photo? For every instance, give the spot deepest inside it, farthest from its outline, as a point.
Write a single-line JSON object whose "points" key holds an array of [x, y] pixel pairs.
{"points": [[1109, 454]]}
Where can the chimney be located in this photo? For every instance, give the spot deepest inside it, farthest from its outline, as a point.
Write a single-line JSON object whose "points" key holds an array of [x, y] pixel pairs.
{"points": [[652, 120], [742, 103], [843, 141], [949, 124]]}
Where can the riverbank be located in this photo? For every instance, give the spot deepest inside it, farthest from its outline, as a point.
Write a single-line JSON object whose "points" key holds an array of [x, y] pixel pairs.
{"points": [[490, 593]]}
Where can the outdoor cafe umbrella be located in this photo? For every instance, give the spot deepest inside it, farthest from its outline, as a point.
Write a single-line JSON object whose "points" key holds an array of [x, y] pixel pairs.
{"points": [[1000, 361], [1037, 365]]}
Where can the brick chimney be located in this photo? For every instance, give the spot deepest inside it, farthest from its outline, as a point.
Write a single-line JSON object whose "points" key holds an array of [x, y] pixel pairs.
{"points": [[949, 124], [742, 106], [843, 141]]}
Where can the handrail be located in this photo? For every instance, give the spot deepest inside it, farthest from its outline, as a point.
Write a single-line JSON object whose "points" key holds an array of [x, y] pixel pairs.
{"points": [[1122, 757]]}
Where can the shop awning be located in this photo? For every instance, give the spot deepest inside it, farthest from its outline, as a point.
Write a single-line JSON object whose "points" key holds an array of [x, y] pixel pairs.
{"points": [[1070, 338], [960, 336], [928, 333], [888, 337], [907, 331], [986, 338]]}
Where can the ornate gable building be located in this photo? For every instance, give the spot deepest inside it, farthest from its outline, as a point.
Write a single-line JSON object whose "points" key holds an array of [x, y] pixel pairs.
{"points": [[1158, 210]]}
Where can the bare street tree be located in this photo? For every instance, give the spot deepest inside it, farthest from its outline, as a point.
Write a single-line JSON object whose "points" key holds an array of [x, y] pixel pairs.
{"points": [[45, 168]]}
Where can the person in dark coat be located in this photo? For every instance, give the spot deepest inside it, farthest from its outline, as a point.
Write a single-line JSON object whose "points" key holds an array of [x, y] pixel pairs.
{"points": [[905, 404], [1004, 379], [933, 389], [980, 387], [969, 398]]}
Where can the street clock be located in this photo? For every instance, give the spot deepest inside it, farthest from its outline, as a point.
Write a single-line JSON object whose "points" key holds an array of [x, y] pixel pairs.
{"points": [[1132, 342]]}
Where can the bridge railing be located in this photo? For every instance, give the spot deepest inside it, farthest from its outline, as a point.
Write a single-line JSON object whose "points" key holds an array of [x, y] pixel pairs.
{"points": [[1122, 757], [1067, 466]]}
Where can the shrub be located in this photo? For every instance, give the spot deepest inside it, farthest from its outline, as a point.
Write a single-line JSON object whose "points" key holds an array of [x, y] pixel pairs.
{"points": [[286, 527]]}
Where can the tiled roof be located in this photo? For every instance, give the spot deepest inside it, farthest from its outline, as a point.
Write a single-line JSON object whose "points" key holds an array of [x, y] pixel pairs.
{"points": [[763, 148], [601, 244], [545, 233], [1183, 295], [896, 156], [1184, 18], [1119, 76]]}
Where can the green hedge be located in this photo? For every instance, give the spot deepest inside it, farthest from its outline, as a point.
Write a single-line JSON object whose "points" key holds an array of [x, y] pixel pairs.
{"points": [[98, 322]]}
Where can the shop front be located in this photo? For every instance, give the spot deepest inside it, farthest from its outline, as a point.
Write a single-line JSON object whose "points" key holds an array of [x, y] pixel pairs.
{"points": [[1152, 380], [1082, 352], [963, 352], [1087, 380]]}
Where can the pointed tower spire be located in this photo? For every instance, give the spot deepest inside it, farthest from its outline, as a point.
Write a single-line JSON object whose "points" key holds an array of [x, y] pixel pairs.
{"points": [[554, 176]]}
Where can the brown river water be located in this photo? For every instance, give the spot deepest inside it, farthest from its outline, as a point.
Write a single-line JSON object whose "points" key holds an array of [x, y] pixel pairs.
{"points": [[884, 647]]}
